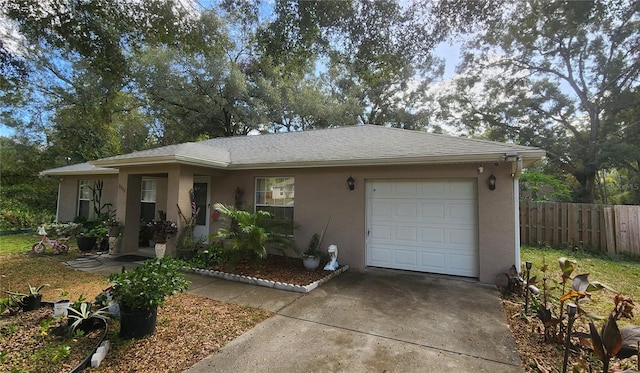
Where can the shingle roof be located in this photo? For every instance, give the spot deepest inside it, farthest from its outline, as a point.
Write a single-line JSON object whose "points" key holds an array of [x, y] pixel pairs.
{"points": [[353, 145], [80, 169]]}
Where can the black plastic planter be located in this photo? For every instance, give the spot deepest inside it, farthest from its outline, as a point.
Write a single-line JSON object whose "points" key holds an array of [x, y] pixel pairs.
{"points": [[138, 323], [86, 244], [31, 302]]}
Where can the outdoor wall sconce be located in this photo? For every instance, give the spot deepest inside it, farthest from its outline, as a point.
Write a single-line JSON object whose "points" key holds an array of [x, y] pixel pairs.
{"points": [[492, 182], [351, 183]]}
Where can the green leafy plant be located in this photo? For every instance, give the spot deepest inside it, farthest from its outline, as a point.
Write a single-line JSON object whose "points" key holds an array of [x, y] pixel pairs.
{"points": [[33, 291], [103, 211], [10, 303], [579, 293], [313, 248], [79, 302], [84, 318], [148, 285], [61, 353], [250, 234]]}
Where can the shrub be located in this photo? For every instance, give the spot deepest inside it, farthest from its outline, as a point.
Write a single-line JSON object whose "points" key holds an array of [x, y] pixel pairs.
{"points": [[148, 285], [250, 234]]}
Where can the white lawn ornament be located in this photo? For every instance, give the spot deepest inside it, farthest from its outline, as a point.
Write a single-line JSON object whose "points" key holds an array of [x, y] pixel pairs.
{"points": [[333, 254]]}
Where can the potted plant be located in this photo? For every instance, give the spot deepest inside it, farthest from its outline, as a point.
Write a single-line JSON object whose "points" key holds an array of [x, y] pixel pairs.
{"points": [[105, 299], [140, 291], [92, 233], [85, 319], [31, 301], [115, 227], [61, 306], [312, 255], [162, 229]]}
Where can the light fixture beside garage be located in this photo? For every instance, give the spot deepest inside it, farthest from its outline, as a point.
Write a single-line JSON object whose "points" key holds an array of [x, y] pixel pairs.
{"points": [[492, 182], [351, 183]]}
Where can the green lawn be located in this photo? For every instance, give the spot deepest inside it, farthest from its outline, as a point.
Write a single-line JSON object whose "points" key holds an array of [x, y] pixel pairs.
{"points": [[17, 243], [621, 274]]}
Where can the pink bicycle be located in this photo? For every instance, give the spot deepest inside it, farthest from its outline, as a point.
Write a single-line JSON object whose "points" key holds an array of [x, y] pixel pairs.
{"points": [[59, 246]]}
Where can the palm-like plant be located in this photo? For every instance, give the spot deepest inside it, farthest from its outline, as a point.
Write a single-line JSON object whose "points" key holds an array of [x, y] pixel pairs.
{"points": [[249, 234]]}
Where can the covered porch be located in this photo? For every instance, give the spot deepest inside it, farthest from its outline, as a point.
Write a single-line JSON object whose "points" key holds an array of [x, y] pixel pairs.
{"points": [[146, 193]]}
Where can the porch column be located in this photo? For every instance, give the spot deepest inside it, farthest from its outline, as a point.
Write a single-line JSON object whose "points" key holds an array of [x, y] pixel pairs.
{"points": [[128, 209], [179, 186]]}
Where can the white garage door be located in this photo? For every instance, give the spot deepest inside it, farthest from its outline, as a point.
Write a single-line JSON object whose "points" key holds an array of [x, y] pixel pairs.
{"points": [[425, 225]]}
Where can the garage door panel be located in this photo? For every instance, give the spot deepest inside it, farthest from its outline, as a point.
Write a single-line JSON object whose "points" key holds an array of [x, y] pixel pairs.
{"points": [[406, 234], [381, 256], [428, 225], [460, 189], [381, 209], [432, 189], [433, 261], [460, 213], [382, 232], [433, 235], [431, 210], [407, 258], [459, 263], [406, 210], [466, 237], [405, 190]]}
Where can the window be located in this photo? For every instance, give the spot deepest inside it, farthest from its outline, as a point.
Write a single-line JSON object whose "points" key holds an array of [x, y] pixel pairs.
{"points": [[276, 195], [148, 190], [148, 200], [84, 198]]}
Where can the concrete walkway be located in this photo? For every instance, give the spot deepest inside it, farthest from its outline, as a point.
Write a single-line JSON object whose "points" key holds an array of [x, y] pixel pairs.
{"points": [[372, 320]]}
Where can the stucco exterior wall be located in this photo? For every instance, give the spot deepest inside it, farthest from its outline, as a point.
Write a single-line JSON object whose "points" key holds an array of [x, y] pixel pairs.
{"points": [[68, 194], [322, 193]]}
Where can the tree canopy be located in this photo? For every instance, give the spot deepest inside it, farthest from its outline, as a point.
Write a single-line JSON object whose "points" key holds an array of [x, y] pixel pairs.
{"points": [[558, 75], [88, 79]]}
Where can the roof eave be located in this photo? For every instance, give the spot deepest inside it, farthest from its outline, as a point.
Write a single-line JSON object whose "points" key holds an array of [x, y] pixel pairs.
{"points": [[146, 161], [99, 171], [528, 156]]}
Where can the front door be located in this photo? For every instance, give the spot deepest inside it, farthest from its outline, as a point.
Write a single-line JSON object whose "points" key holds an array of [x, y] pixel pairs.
{"points": [[202, 199]]}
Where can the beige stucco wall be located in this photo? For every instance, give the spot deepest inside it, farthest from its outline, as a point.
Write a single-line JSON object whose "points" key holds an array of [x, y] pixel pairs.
{"points": [[320, 193], [68, 194]]}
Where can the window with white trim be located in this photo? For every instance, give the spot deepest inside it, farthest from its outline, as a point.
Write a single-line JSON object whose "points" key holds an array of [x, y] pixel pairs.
{"points": [[276, 196], [148, 199], [84, 198]]}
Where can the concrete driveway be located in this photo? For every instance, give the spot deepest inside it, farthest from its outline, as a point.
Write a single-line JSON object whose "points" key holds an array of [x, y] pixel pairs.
{"points": [[370, 320]]}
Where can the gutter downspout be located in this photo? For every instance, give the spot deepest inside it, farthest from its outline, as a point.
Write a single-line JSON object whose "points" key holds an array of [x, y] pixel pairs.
{"points": [[516, 170], [58, 200]]}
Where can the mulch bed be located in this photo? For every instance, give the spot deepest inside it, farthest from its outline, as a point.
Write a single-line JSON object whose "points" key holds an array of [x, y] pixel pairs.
{"points": [[278, 268]]}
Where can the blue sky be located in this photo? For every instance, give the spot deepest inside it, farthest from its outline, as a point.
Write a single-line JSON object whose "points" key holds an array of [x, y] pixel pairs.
{"points": [[451, 54]]}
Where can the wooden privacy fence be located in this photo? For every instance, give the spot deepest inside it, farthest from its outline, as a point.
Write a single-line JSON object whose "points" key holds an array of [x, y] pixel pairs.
{"points": [[611, 229]]}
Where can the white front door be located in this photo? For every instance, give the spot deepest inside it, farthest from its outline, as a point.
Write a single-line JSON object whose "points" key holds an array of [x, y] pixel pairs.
{"points": [[202, 196], [423, 225]]}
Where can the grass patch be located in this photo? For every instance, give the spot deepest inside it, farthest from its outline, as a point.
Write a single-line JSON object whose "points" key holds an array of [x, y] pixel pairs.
{"points": [[17, 243], [620, 273]]}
